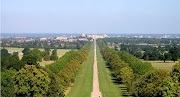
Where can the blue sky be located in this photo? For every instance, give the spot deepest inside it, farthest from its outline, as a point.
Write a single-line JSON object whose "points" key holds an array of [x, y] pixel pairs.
{"points": [[91, 16]]}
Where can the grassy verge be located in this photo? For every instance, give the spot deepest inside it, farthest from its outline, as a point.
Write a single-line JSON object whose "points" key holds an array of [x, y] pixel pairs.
{"points": [[107, 85], [84, 80]]}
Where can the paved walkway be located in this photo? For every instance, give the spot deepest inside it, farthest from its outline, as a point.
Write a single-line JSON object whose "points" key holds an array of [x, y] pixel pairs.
{"points": [[95, 92]]}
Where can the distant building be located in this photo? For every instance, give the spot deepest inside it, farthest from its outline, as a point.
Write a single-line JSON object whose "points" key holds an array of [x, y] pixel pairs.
{"points": [[83, 39], [43, 39], [83, 35], [61, 38], [97, 36], [72, 40], [104, 35], [28, 40]]}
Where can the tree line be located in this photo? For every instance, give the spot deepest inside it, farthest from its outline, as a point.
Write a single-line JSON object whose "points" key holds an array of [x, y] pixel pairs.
{"points": [[141, 78], [53, 44], [125, 40], [152, 53], [30, 79]]}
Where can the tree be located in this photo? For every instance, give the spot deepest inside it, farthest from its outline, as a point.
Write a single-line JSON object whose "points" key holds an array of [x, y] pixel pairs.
{"points": [[25, 50], [162, 54], [29, 59], [30, 81], [167, 47], [126, 75], [167, 56], [78, 45], [174, 53], [150, 84], [154, 55], [32, 56], [4, 56], [47, 56], [47, 49], [55, 88], [138, 54], [65, 45], [54, 56], [37, 53], [116, 48], [4, 53], [15, 55], [169, 87], [14, 63], [7, 83]]}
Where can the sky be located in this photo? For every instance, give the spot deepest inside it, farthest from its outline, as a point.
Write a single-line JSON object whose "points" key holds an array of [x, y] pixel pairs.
{"points": [[91, 16]]}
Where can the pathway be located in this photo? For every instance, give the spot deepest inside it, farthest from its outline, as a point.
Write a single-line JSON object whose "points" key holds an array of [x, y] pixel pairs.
{"points": [[95, 92]]}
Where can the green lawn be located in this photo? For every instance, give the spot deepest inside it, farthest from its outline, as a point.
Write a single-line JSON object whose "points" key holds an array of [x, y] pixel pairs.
{"points": [[106, 83], [84, 81]]}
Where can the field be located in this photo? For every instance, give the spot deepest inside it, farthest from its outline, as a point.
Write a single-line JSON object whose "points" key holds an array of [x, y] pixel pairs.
{"points": [[161, 65], [60, 53], [107, 84], [84, 81]]}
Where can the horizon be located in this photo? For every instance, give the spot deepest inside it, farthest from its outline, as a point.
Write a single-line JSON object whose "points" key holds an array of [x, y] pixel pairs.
{"points": [[90, 17]]}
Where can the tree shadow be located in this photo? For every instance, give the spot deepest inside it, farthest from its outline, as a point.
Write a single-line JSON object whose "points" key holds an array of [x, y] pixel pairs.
{"points": [[122, 86]]}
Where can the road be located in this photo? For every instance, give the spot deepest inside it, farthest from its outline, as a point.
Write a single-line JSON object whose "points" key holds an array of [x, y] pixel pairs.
{"points": [[95, 92]]}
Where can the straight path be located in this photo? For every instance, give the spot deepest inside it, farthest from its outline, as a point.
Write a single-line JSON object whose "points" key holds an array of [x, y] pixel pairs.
{"points": [[95, 92], [84, 80]]}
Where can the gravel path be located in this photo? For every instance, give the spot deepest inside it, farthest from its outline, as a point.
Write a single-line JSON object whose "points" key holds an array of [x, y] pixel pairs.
{"points": [[95, 92]]}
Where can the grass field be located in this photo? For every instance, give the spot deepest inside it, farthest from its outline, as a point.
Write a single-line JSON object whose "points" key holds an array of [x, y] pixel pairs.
{"points": [[84, 81], [161, 65], [106, 83], [60, 53]]}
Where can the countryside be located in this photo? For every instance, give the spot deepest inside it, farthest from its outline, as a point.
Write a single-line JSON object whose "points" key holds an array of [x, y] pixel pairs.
{"points": [[90, 48]]}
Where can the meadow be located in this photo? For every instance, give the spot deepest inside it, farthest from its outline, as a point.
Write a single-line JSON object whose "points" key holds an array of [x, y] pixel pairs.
{"points": [[60, 53], [84, 81], [161, 64]]}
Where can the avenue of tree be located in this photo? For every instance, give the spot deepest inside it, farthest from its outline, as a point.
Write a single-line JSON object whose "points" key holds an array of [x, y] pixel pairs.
{"points": [[140, 77], [26, 77]]}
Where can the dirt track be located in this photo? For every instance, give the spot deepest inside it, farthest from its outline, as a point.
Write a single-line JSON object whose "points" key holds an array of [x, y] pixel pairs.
{"points": [[95, 92]]}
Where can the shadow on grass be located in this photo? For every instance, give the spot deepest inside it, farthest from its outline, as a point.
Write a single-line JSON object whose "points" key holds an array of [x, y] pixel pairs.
{"points": [[122, 86]]}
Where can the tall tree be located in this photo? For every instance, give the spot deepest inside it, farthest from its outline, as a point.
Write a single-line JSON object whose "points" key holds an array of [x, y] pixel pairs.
{"points": [[4, 56], [54, 56], [174, 53], [78, 45], [46, 55], [15, 55], [4, 53], [116, 48], [25, 50]]}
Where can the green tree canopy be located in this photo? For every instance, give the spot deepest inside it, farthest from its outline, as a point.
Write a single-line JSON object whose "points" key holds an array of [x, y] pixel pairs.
{"points": [[54, 56], [46, 55], [30, 81], [7, 83], [25, 50], [174, 53]]}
